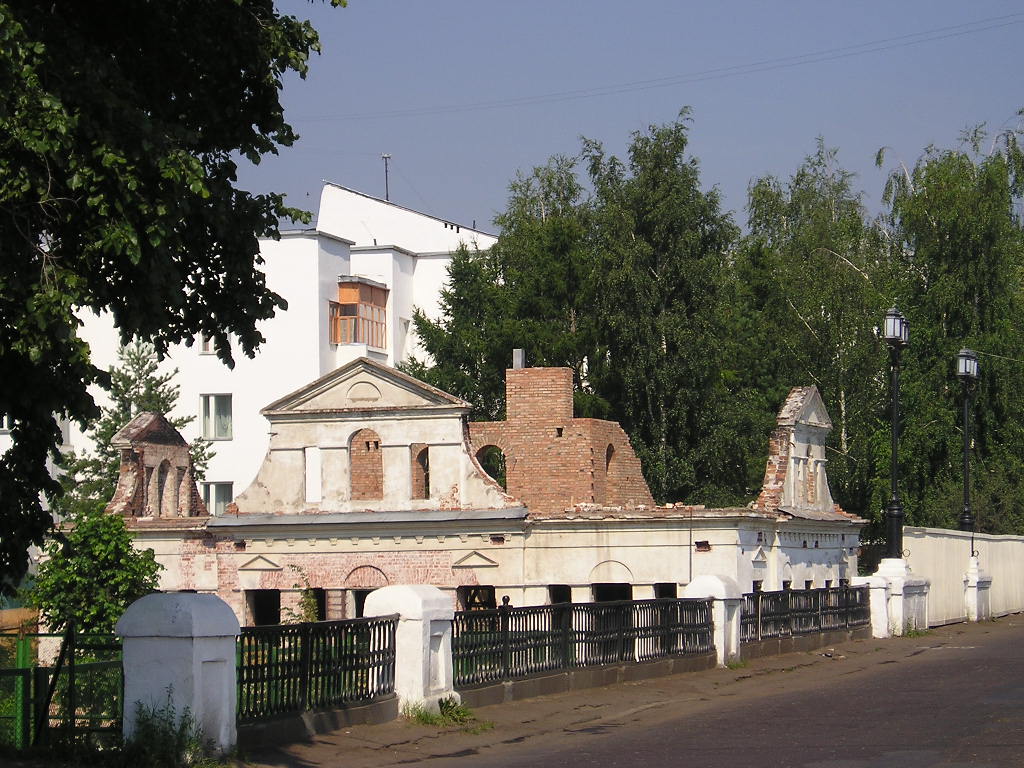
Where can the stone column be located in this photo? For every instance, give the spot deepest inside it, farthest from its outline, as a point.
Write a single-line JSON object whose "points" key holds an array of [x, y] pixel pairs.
{"points": [[977, 599], [727, 601], [180, 648], [423, 642]]}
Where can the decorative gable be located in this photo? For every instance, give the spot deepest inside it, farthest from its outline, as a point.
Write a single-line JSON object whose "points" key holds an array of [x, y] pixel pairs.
{"points": [[363, 384], [475, 560], [259, 563]]}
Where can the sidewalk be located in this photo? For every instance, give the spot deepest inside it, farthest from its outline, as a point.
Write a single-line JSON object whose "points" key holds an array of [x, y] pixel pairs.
{"points": [[535, 722]]}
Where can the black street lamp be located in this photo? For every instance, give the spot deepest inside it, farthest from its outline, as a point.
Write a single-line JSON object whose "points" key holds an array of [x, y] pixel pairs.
{"points": [[967, 372], [896, 332]]}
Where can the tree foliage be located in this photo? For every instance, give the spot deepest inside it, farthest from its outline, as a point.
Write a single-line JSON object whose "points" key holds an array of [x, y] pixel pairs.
{"points": [[528, 291], [94, 576], [660, 244], [691, 335], [136, 385], [119, 127], [955, 223]]}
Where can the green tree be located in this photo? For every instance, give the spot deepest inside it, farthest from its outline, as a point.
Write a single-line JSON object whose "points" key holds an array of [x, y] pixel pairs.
{"points": [[955, 223], [120, 125], [136, 385], [94, 576], [527, 291], [812, 280], [660, 247]]}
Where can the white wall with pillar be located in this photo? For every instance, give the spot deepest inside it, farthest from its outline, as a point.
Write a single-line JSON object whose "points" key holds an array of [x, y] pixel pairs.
{"points": [[179, 648], [423, 642], [727, 600]]}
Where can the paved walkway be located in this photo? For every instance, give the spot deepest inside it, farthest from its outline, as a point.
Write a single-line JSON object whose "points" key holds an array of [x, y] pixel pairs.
{"points": [[953, 696]]}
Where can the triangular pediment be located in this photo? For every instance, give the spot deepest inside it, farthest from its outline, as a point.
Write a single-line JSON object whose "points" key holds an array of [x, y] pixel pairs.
{"points": [[475, 560], [760, 556], [260, 563], [363, 384]]}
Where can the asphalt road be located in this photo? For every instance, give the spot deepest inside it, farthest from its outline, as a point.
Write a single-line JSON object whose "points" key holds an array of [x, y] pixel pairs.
{"points": [[951, 697]]}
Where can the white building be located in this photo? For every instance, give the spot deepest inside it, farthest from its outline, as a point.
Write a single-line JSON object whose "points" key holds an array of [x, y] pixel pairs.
{"points": [[352, 283]]}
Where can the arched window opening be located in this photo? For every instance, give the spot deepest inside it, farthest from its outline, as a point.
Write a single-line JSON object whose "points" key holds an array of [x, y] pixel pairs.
{"points": [[159, 509], [367, 473], [420, 471], [492, 460]]}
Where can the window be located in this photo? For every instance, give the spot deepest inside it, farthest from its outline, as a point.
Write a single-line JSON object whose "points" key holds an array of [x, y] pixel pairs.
{"points": [[6, 424], [217, 417], [206, 346], [420, 471], [359, 316], [217, 496]]}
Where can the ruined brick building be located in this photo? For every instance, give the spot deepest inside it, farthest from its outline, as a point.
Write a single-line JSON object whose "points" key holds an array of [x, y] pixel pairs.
{"points": [[374, 478]]}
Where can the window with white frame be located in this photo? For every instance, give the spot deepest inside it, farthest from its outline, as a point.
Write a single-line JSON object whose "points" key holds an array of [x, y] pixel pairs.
{"points": [[206, 346], [6, 424], [217, 496], [217, 417]]}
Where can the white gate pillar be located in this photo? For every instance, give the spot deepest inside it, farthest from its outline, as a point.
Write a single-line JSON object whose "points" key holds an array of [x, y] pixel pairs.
{"points": [[878, 601], [727, 600], [423, 642], [977, 586], [180, 647]]}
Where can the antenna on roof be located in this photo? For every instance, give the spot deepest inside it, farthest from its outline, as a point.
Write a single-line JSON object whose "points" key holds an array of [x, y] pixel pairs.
{"points": [[385, 157]]}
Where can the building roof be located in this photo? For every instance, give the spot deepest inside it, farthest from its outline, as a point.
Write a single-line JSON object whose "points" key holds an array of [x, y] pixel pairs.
{"points": [[147, 427]]}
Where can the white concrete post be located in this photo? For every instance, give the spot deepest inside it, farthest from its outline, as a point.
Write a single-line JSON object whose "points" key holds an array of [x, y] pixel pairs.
{"points": [[908, 596], [423, 642], [878, 600], [727, 600], [977, 586], [181, 646]]}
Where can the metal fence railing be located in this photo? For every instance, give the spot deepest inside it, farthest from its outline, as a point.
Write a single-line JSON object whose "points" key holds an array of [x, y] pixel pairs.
{"points": [[78, 698], [507, 643], [297, 667], [768, 615]]}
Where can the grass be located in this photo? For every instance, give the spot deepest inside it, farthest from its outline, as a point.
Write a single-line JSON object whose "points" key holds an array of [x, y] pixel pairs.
{"points": [[450, 714], [737, 664]]}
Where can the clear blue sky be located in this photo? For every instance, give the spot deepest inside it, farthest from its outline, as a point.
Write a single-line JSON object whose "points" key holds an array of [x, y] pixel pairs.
{"points": [[464, 93]]}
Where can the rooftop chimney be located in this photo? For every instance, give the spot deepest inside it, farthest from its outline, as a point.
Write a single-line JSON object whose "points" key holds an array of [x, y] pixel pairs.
{"points": [[518, 358]]}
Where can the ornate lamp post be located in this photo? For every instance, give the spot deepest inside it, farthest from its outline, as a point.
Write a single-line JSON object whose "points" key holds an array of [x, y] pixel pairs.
{"points": [[967, 372], [896, 332]]}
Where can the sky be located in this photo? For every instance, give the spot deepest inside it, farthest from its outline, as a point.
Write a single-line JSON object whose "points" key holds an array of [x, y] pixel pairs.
{"points": [[463, 94]]}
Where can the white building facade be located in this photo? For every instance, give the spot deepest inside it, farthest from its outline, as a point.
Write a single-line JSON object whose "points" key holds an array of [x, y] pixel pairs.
{"points": [[352, 284]]}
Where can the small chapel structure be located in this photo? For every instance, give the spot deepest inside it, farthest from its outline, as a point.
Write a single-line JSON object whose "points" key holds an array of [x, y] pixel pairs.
{"points": [[374, 478]]}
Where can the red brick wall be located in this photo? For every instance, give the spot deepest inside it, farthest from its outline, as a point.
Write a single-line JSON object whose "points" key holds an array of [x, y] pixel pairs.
{"points": [[367, 465], [538, 393], [553, 461], [775, 471]]}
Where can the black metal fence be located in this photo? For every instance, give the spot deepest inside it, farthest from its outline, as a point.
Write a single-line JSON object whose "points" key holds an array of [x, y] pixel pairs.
{"points": [[768, 615], [508, 643], [296, 667]]}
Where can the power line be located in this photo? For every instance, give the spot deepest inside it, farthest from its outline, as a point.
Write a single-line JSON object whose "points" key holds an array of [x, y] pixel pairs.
{"points": [[756, 67]]}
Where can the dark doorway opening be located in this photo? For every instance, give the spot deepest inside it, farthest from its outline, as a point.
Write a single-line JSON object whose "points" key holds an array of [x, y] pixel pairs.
{"points": [[666, 590], [606, 593], [264, 606]]}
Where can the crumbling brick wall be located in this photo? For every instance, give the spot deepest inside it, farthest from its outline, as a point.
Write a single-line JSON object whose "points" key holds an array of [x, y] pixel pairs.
{"points": [[552, 460]]}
